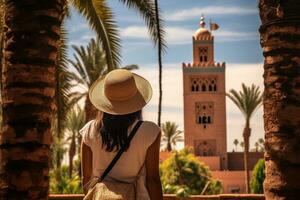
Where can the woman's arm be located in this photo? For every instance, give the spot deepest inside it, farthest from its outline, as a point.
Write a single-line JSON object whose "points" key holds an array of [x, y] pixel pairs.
{"points": [[86, 163], [152, 171]]}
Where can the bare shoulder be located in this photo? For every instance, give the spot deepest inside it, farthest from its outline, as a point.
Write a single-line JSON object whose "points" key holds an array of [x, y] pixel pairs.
{"points": [[151, 126]]}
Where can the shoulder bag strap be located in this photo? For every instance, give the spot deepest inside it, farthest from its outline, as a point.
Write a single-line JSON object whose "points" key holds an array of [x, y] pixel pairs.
{"points": [[120, 152]]}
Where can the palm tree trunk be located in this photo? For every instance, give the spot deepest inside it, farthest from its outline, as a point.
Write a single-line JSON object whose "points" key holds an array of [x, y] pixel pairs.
{"points": [[90, 110], [159, 63], [79, 139], [72, 152], [246, 135], [280, 39], [32, 31], [169, 147]]}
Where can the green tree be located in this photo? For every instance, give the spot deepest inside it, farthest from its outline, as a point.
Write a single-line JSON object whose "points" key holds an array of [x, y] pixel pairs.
{"points": [[183, 174], [75, 121], [256, 144], [170, 135], [89, 64], [62, 90], [258, 177], [247, 100], [235, 142]]}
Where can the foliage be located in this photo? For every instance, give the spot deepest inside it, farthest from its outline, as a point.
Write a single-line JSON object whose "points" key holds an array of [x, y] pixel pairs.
{"points": [[89, 64], [183, 174], [258, 177], [75, 121], [235, 142], [101, 19], [170, 135], [66, 185], [247, 100], [261, 145]]}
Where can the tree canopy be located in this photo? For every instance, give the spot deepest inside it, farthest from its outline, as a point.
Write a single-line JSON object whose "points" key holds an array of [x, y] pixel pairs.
{"points": [[183, 174]]}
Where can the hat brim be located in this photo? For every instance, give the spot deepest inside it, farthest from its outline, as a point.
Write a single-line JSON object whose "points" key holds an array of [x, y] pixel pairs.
{"points": [[133, 104]]}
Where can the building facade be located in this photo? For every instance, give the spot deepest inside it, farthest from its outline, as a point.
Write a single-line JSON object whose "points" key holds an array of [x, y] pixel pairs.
{"points": [[204, 94], [204, 100]]}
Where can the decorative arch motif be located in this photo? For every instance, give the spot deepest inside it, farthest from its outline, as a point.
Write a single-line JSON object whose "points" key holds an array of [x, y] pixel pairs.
{"points": [[205, 147], [203, 84]]}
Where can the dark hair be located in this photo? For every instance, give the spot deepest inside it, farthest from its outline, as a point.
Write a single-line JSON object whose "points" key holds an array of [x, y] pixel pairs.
{"points": [[114, 129]]}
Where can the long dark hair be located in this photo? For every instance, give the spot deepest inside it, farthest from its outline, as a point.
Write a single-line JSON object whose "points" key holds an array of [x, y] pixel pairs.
{"points": [[114, 129]]}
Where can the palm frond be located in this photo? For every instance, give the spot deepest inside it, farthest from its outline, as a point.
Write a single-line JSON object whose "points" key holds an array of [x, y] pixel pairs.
{"points": [[247, 100], [63, 84], [100, 18]]}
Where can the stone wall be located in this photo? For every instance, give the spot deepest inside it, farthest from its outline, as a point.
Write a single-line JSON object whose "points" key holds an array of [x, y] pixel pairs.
{"points": [[236, 160], [172, 197]]}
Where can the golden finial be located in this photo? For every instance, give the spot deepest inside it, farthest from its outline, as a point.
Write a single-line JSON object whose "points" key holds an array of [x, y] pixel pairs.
{"points": [[202, 21]]}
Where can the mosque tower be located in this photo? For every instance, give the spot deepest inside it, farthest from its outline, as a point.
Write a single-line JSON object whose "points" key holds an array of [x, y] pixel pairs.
{"points": [[204, 100]]}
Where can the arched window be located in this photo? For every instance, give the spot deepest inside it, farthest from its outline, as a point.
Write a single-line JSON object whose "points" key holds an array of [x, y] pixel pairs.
{"points": [[203, 87]]}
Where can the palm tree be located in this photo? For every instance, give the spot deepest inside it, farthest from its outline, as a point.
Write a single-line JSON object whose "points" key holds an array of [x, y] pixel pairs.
{"points": [[161, 49], [171, 135], [63, 103], [261, 143], [75, 121], [256, 146], [247, 100], [242, 144], [235, 142], [31, 42], [279, 35], [89, 65]]}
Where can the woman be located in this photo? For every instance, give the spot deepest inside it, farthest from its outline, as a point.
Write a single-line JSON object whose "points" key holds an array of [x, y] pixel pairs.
{"points": [[120, 96]]}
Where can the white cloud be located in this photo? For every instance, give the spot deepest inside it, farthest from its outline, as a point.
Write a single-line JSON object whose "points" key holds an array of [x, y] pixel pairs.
{"points": [[179, 35], [173, 99], [195, 12]]}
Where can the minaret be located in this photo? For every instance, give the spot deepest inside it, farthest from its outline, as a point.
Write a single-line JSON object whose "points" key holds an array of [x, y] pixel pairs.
{"points": [[204, 99]]}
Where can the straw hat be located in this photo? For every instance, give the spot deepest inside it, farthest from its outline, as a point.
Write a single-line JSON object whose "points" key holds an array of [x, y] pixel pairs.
{"points": [[120, 92]]}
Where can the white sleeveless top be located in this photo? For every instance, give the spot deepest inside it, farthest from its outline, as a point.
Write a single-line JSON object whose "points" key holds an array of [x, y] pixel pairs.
{"points": [[130, 162]]}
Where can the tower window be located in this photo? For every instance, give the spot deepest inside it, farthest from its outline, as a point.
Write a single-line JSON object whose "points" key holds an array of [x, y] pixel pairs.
{"points": [[203, 54], [204, 113], [203, 84]]}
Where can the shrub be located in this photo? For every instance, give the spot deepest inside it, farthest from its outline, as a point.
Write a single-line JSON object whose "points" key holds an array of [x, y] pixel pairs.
{"points": [[183, 174], [258, 177], [66, 185]]}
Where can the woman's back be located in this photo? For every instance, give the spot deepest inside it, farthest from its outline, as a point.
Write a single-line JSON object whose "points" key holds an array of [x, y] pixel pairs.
{"points": [[131, 161]]}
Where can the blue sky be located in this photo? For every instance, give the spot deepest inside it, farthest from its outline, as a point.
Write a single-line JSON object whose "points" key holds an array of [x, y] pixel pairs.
{"points": [[236, 43]]}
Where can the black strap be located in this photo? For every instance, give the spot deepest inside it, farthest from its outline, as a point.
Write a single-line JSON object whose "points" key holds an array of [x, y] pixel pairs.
{"points": [[120, 152]]}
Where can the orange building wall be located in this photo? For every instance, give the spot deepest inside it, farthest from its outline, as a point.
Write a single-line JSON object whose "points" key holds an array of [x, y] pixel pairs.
{"points": [[231, 180]]}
